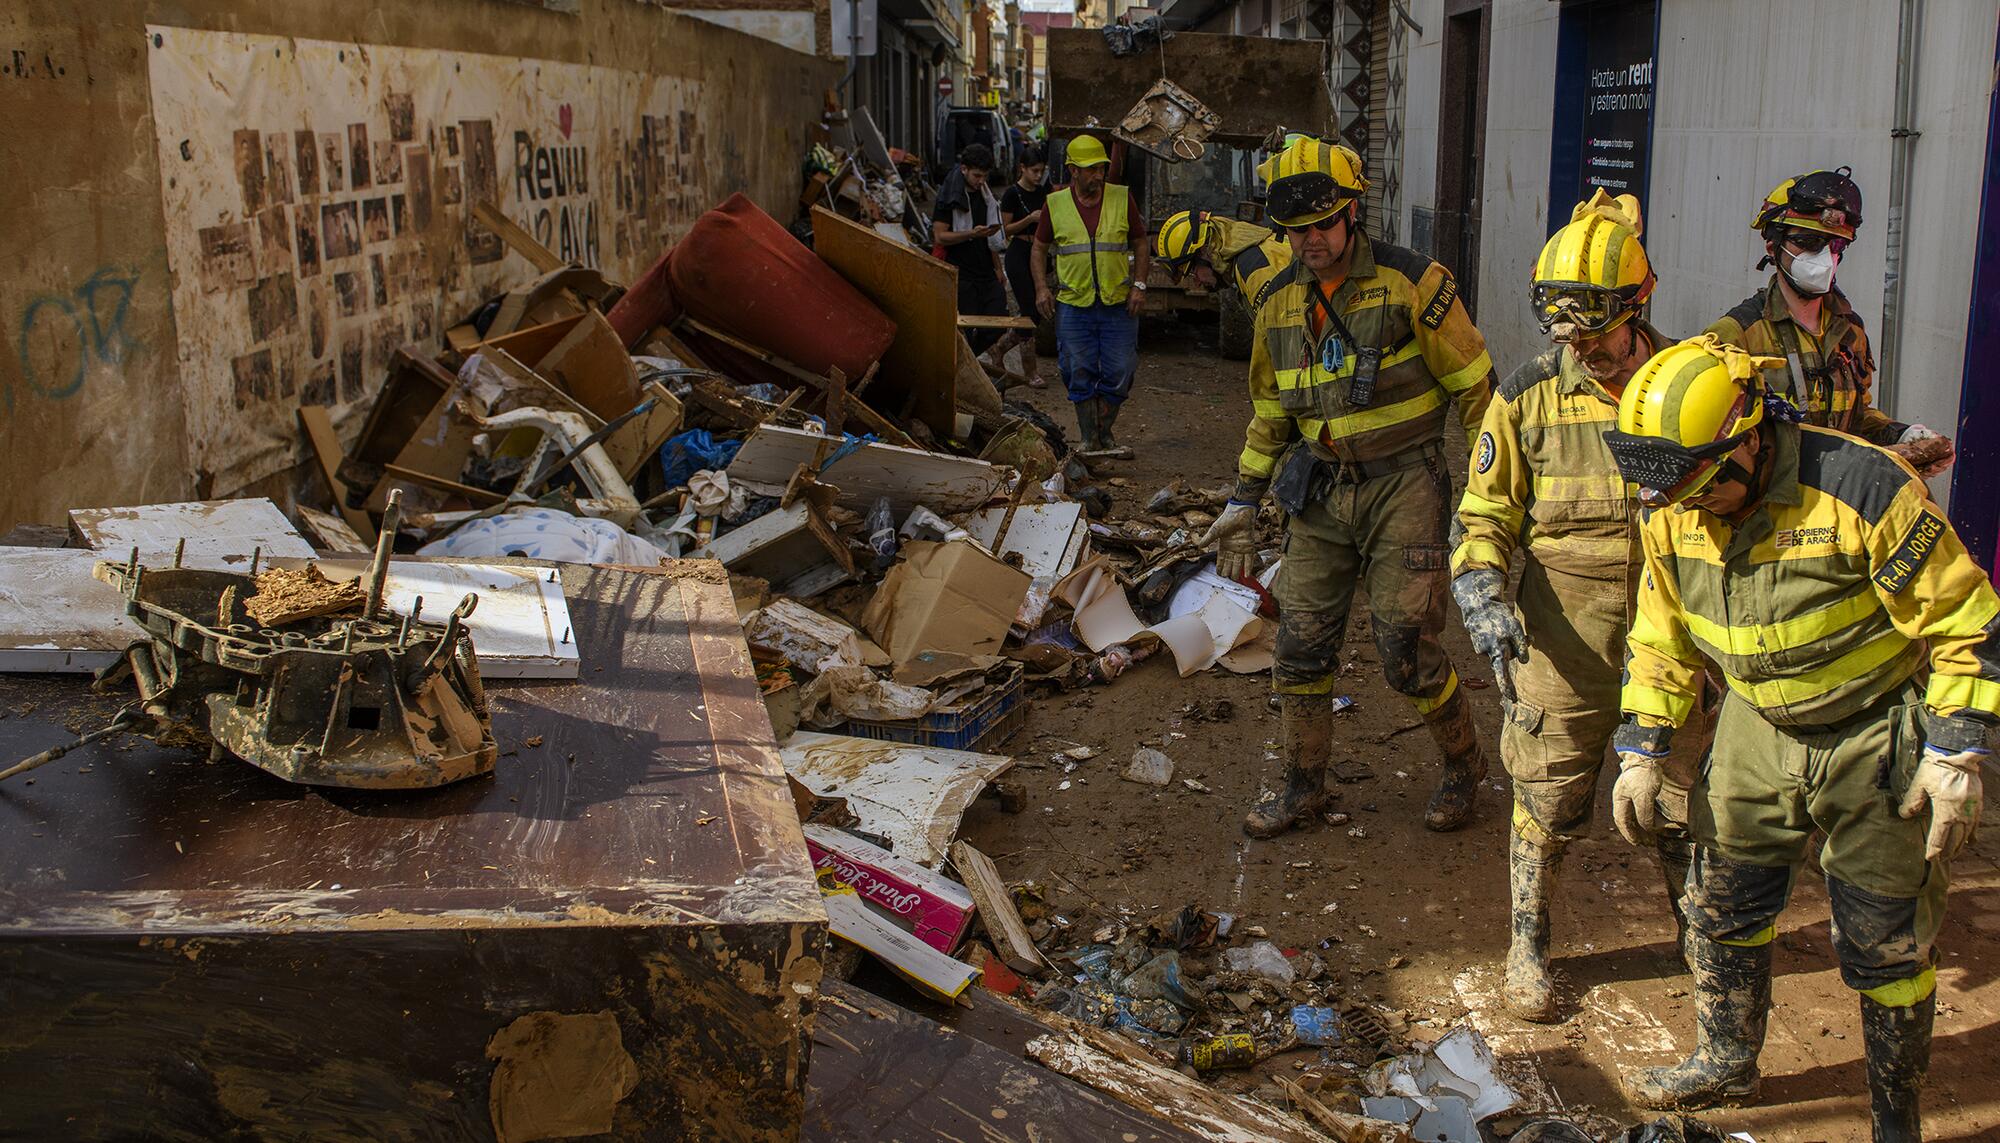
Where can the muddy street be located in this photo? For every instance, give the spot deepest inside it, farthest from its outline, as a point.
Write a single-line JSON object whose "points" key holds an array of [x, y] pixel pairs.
{"points": [[1413, 920]]}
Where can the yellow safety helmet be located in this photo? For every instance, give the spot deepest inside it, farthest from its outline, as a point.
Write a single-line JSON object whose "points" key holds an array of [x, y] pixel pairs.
{"points": [[1826, 201], [1593, 274], [1184, 235], [1683, 413], [1310, 180], [1086, 151]]}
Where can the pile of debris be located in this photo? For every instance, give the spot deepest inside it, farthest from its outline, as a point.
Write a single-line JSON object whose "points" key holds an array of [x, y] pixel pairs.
{"points": [[851, 171]]}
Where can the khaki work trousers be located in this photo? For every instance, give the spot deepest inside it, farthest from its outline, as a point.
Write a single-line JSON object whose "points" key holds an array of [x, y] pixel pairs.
{"points": [[1386, 533], [1754, 809], [1556, 741]]}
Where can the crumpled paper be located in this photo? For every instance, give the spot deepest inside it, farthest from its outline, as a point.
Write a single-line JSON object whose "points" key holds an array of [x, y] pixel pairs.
{"points": [[840, 693]]}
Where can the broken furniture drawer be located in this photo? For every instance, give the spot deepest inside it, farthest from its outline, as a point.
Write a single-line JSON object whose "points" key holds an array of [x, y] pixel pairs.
{"points": [[617, 934]]}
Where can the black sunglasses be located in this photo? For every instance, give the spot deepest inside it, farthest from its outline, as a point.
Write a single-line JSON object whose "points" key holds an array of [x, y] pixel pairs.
{"points": [[1323, 225]]}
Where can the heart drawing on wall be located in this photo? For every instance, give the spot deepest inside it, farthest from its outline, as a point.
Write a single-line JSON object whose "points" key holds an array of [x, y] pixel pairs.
{"points": [[565, 116]]}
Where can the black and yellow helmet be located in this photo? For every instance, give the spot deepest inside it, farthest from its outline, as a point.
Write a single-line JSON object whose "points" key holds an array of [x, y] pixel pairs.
{"points": [[1826, 201], [1593, 274], [1181, 237], [1310, 180], [1683, 412]]}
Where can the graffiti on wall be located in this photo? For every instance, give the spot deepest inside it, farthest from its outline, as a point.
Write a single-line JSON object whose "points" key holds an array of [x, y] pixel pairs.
{"points": [[318, 201], [63, 336]]}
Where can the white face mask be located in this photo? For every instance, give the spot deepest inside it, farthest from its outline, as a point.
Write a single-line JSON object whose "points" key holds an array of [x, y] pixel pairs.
{"points": [[1813, 273]]}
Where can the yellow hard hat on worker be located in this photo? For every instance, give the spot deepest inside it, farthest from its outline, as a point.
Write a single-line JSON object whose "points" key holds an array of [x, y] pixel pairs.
{"points": [[1825, 201], [1311, 180], [1086, 151], [1683, 413], [1181, 237], [1593, 275]]}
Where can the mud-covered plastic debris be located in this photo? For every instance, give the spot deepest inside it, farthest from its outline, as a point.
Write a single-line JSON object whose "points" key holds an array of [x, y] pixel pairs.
{"points": [[1149, 767], [1230, 1050], [1316, 1025], [1263, 959], [881, 530]]}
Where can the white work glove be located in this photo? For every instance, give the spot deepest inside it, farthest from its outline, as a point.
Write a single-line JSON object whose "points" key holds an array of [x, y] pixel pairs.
{"points": [[1635, 799], [1938, 462], [1950, 784], [1235, 540]]}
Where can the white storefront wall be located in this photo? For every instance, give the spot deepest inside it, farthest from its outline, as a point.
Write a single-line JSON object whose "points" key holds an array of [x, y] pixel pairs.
{"points": [[1748, 93]]}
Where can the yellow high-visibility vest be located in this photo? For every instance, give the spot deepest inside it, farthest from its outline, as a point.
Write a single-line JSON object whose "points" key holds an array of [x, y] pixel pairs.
{"points": [[1092, 268]]}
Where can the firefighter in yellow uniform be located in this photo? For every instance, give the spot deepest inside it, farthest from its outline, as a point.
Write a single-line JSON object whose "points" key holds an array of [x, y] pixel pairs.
{"points": [[1216, 249], [1357, 354], [1825, 367], [1860, 646], [1543, 479]]}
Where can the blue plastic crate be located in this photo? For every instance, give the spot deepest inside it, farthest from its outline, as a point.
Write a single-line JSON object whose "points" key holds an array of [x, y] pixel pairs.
{"points": [[973, 725]]}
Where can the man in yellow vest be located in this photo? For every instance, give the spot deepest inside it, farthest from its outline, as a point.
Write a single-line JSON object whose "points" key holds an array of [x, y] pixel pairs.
{"points": [[1357, 357], [1101, 262]]}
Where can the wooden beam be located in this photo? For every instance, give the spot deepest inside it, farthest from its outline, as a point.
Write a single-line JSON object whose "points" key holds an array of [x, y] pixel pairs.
{"points": [[996, 909], [994, 321], [317, 421], [836, 401], [511, 233], [476, 495]]}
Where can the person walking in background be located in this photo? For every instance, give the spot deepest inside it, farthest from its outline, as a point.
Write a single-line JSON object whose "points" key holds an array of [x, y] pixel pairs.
{"points": [[1020, 214], [1101, 261], [968, 230]]}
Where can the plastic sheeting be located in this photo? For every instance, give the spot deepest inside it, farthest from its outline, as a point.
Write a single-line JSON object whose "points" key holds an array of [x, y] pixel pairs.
{"points": [[546, 534]]}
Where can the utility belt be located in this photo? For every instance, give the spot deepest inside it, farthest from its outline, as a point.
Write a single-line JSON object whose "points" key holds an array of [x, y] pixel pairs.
{"points": [[1305, 477]]}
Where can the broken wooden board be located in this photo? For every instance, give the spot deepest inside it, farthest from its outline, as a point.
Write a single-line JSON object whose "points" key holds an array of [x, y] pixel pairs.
{"points": [[539, 256], [792, 548], [638, 440], [633, 867], [332, 532], [1252, 82], [912, 795], [227, 530], [908, 477], [317, 423], [956, 1086], [996, 908], [521, 627], [1049, 538], [931, 972], [54, 617], [591, 365], [1131, 1078], [995, 321], [920, 294]]}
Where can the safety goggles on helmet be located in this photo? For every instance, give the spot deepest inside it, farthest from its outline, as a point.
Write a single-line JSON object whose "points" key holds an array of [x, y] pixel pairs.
{"points": [[1811, 241], [1566, 310], [1665, 471], [1321, 224], [1828, 202]]}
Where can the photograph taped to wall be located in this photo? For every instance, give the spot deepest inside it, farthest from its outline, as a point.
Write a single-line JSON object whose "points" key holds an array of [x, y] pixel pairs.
{"points": [[368, 165]]}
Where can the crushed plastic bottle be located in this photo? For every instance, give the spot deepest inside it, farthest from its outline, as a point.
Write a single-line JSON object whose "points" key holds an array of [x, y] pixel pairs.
{"points": [[882, 533]]}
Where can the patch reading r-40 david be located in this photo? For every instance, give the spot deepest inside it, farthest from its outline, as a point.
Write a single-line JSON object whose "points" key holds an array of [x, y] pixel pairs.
{"points": [[1440, 303]]}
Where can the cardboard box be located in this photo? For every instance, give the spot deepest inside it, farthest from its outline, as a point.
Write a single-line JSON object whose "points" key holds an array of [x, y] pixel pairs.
{"points": [[936, 909], [935, 974], [945, 597]]}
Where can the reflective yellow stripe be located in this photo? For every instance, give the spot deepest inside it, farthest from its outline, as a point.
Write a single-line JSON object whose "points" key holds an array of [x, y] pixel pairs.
{"points": [[1786, 634], [1291, 378], [1321, 686], [1255, 463], [1763, 936], [1948, 694], [1466, 378], [1426, 706], [1532, 830], [1856, 664], [1478, 553], [1479, 505], [1904, 993], [1269, 410], [1596, 486], [1354, 424], [1671, 709]]}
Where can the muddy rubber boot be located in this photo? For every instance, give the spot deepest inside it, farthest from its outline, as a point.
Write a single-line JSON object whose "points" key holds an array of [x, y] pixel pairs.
{"points": [[1898, 1042], [1107, 416], [1675, 858], [1732, 1006], [1531, 878], [1306, 733], [1464, 764], [1086, 424]]}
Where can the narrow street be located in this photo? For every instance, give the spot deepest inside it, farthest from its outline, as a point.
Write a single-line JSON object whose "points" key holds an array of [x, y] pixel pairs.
{"points": [[1417, 921]]}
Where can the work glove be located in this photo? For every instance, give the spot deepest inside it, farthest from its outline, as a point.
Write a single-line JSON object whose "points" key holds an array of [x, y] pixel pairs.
{"points": [[1635, 799], [1950, 784], [1495, 632], [1928, 451], [1235, 540]]}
